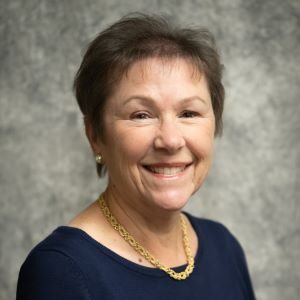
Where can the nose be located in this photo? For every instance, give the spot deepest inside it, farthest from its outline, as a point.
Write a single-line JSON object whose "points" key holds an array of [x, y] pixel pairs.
{"points": [[169, 136]]}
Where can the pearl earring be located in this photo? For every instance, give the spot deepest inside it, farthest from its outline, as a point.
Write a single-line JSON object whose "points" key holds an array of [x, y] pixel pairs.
{"points": [[98, 159]]}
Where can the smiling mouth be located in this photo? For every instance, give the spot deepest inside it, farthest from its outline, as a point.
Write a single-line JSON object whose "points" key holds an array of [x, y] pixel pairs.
{"points": [[169, 171]]}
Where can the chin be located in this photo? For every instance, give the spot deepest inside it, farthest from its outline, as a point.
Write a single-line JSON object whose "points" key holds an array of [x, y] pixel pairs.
{"points": [[172, 201]]}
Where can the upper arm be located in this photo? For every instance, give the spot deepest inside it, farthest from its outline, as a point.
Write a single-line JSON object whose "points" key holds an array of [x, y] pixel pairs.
{"points": [[50, 275]]}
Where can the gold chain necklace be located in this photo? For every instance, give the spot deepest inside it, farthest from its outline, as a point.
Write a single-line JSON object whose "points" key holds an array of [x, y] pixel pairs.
{"points": [[143, 252]]}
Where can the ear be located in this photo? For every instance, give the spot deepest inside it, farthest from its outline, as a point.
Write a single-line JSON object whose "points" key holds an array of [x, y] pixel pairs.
{"points": [[92, 137]]}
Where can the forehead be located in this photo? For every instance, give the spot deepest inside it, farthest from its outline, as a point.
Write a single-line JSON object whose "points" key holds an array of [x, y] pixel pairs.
{"points": [[165, 80], [157, 68]]}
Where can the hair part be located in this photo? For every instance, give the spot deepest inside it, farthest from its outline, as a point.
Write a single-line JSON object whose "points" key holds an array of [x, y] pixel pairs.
{"points": [[134, 38]]}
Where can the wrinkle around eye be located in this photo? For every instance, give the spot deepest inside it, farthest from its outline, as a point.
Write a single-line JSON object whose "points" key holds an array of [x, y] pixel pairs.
{"points": [[190, 114], [142, 117]]}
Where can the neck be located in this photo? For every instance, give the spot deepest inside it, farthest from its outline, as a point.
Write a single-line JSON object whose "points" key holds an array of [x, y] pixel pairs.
{"points": [[154, 228]]}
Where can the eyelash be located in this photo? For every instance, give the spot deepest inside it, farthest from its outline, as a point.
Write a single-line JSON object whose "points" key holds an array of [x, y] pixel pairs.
{"points": [[140, 115], [144, 115], [191, 114]]}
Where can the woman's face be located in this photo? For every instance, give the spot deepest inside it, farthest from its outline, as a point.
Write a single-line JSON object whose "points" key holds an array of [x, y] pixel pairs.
{"points": [[159, 131]]}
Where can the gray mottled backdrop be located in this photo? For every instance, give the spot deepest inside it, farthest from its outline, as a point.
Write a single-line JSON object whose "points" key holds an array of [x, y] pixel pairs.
{"points": [[47, 172]]}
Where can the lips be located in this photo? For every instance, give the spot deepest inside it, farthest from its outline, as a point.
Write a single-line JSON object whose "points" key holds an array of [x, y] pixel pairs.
{"points": [[167, 169]]}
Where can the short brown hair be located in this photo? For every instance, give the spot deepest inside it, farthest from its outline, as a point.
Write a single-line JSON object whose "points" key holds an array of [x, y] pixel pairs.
{"points": [[133, 38]]}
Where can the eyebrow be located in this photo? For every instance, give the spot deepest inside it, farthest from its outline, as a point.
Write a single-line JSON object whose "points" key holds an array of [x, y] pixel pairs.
{"points": [[190, 99], [147, 99]]}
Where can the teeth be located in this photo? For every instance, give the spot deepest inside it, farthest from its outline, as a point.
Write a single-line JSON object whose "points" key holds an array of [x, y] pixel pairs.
{"points": [[167, 171]]}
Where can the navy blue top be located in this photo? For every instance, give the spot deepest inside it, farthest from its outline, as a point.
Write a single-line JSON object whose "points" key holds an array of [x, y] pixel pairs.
{"points": [[69, 264]]}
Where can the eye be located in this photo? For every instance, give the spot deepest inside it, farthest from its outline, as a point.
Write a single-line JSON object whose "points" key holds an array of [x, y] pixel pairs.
{"points": [[189, 114], [140, 115]]}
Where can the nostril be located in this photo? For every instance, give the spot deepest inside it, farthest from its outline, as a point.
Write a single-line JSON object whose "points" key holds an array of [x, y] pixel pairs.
{"points": [[169, 140], [168, 145]]}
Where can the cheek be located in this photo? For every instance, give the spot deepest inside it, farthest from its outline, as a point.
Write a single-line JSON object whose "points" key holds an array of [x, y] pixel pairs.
{"points": [[128, 145], [201, 141], [203, 149]]}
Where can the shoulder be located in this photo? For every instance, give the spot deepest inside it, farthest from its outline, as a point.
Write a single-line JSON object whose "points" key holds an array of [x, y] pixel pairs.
{"points": [[206, 226], [221, 248], [65, 243], [216, 235], [50, 272], [218, 241]]}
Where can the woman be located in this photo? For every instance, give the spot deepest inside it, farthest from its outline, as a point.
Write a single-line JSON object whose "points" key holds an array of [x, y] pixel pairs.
{"points": [[152, 101]]}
